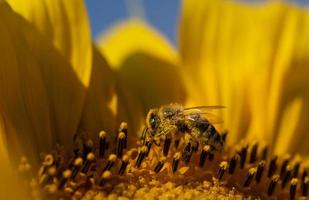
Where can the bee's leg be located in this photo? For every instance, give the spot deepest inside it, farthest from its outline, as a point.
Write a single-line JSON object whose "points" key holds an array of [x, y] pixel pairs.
{"points": [[148, 144], [177, 137], [195, 139], [167, 143], [176, 143], [215, 138], [195, 147], [156, 142], [144, 134], [188, 151]]}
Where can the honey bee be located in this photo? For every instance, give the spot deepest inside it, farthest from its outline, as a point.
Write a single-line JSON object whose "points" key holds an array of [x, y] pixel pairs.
{"points": [[175, 121]]}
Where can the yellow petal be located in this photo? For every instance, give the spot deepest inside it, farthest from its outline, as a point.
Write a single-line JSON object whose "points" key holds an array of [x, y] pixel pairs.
{"points": [[99, 112], [214, 40], [9, 182], [293, 134], [23, 103], [145, 82], [281, 114], [234, 60], [287, 136], [38, 88], [131, 36], [147, 71], [66, 24]]}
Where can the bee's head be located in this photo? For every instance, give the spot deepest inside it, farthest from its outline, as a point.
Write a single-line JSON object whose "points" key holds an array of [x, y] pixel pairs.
{"points": [[152, 120]]}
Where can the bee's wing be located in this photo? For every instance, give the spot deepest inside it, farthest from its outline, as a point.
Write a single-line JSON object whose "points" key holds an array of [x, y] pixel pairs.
{"points": [[212, 118], [201, 111], [205, 108]]}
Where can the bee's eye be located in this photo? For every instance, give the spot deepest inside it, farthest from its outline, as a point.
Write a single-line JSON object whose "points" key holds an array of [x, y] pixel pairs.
{"points": [[154, 121]]}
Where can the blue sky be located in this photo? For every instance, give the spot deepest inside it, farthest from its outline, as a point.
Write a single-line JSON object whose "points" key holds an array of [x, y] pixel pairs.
{"points": [[162, 14]]}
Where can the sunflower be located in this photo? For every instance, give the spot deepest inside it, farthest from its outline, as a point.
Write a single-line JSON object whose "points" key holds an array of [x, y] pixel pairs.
{"points": [[228, 55], [250, 58]]}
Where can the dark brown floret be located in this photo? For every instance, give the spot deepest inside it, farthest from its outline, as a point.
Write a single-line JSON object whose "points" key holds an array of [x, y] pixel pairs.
{"points": [[108, 164]]}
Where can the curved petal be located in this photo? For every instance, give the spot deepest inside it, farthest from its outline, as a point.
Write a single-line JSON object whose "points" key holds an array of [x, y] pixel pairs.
{"points": [[99, 112], [22, 85], [242, 55], [146, 69], [9, 181], [146, 82], [38, 89], [131, 36], [65, 24], [215, 39], [294, 94]]}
